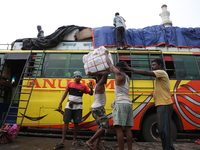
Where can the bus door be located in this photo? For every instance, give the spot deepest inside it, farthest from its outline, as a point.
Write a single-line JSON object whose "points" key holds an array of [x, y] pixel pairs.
{"points": [[13, 65]]}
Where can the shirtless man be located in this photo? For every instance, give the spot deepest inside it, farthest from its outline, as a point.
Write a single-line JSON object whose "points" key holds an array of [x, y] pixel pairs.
{"points": [[98, 110], [122, 112]]}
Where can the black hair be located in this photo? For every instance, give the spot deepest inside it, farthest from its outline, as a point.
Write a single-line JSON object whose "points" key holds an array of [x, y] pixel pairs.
{"points": [[116, 13], [158, 61], [121, 65]]}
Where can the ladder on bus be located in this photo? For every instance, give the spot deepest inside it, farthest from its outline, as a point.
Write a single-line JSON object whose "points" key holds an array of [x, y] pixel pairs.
{"points": [[22, 94], [148, 58]]}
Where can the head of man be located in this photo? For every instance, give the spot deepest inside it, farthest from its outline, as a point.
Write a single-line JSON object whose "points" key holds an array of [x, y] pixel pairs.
{"points": [[116, 14], [39, 27], [120, 65], [157, 64], [77, 76]]}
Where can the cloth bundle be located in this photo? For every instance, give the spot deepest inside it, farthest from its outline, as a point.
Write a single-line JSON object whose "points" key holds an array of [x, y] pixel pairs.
{"points": [[95, 61], [8, 133]]}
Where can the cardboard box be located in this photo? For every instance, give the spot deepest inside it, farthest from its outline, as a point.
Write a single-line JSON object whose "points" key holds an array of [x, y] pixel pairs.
{"points": [[84, 34]]}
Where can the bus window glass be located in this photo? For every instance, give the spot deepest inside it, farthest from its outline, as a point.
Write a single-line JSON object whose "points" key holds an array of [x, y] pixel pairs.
{"points": [[64, 65], [114, 57], [185, 67], [57, 65], [140, 62], [169, 64], [1, 58], [198, 62], [36, 63], [76, 63]]}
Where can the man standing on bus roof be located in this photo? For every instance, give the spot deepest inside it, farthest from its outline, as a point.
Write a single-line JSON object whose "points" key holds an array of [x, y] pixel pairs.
{"points": [[119, 23], [73, 109], [98, 110], [40, 31], [122, 112], [163, 101]]}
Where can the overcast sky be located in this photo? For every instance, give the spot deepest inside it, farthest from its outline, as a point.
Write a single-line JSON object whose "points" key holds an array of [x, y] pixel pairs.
{"points": [[19, 18]]}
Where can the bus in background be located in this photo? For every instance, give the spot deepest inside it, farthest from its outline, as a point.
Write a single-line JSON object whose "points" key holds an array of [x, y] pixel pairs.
{"points": [[57, 69]]}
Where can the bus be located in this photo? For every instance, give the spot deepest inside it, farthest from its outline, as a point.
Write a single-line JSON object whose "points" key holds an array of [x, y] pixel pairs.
{"points": [[56, 71]]}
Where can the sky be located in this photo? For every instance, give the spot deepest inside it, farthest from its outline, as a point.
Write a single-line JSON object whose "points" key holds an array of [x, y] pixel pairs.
{"points": [[19, 18]]}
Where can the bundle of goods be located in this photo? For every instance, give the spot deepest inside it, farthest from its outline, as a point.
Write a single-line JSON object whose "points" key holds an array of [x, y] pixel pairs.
{"points": [[95, 61], [8, 133]]}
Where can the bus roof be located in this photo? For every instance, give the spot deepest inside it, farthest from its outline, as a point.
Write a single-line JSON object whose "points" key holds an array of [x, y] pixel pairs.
{"points": [[156, 37]]}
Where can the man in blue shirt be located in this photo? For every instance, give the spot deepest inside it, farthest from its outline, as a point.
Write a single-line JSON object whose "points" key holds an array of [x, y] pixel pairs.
{"points": [[119, 23], [40, 31]]}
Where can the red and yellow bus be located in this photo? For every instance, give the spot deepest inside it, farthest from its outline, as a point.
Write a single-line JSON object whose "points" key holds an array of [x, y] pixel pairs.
{"points": [[57, 70]]}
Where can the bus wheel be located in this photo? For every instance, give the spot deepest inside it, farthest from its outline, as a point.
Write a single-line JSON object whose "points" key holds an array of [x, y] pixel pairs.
{"points": [[150, 131]]}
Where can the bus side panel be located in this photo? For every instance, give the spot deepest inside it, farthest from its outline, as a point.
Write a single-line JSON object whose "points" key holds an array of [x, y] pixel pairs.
{"points": [[141, 93], [187, 103], [48, 92]]}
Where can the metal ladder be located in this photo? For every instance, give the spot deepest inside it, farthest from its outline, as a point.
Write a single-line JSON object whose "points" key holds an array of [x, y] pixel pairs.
{"points": [[30, 72]]}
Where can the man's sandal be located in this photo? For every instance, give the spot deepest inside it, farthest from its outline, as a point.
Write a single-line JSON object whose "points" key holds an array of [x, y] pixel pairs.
{"points": [[91, 146], [59, 145], [76, 143]]}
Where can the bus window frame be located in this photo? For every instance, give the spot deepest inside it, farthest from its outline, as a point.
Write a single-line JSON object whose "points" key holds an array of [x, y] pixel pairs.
{"points": [[189, 73], [71, 54]]}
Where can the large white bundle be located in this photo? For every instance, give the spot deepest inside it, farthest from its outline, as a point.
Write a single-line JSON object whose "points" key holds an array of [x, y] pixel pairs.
{"points": [[95, 61]]}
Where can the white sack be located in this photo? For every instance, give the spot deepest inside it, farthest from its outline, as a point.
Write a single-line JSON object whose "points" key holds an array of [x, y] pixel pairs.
{"points": [[95, 61]]}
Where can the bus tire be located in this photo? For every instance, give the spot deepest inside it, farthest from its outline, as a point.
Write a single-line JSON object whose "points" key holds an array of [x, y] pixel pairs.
{"points": [[150, 131]]}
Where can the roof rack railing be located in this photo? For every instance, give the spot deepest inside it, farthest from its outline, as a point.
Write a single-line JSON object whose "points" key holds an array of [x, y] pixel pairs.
{"points": [[5, 46]]}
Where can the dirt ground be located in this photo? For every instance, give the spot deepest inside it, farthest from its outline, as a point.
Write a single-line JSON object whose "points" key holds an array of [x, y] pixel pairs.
{"points": [[47, 143]]}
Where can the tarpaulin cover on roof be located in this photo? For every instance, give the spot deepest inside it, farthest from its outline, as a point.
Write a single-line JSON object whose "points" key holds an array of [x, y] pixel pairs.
{"points": [[149, 36], [48, 41]]}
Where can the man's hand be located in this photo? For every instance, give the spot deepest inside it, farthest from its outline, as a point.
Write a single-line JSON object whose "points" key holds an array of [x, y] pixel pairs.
{"points": [[126, 66], [90, 85], [60, 107], [90, 73], [106, 52]]}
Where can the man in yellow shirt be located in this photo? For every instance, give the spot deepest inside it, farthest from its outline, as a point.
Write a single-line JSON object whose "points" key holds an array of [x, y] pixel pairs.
{"points": [[163, 101]]}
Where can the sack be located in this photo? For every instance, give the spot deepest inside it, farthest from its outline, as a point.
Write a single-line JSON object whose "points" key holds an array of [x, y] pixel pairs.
{"points": [[95, 61], [8, 133], [5, 138], [13, 131]]}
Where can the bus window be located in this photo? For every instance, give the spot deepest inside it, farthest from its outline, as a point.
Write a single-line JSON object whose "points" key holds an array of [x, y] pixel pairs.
{"points": [[186, 67], [36, 59], [115, 60], [198, 62], [169, 64], [57, 65], [142, 62], [1, 58], [63, 65], [76, 63]]}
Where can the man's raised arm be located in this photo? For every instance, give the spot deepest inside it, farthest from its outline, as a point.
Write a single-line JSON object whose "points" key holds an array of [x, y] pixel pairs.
{"points": [[141, 72]]}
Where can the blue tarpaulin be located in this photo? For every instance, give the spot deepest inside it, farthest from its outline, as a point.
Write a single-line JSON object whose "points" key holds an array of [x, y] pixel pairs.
{"points": [[150, 36]]}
